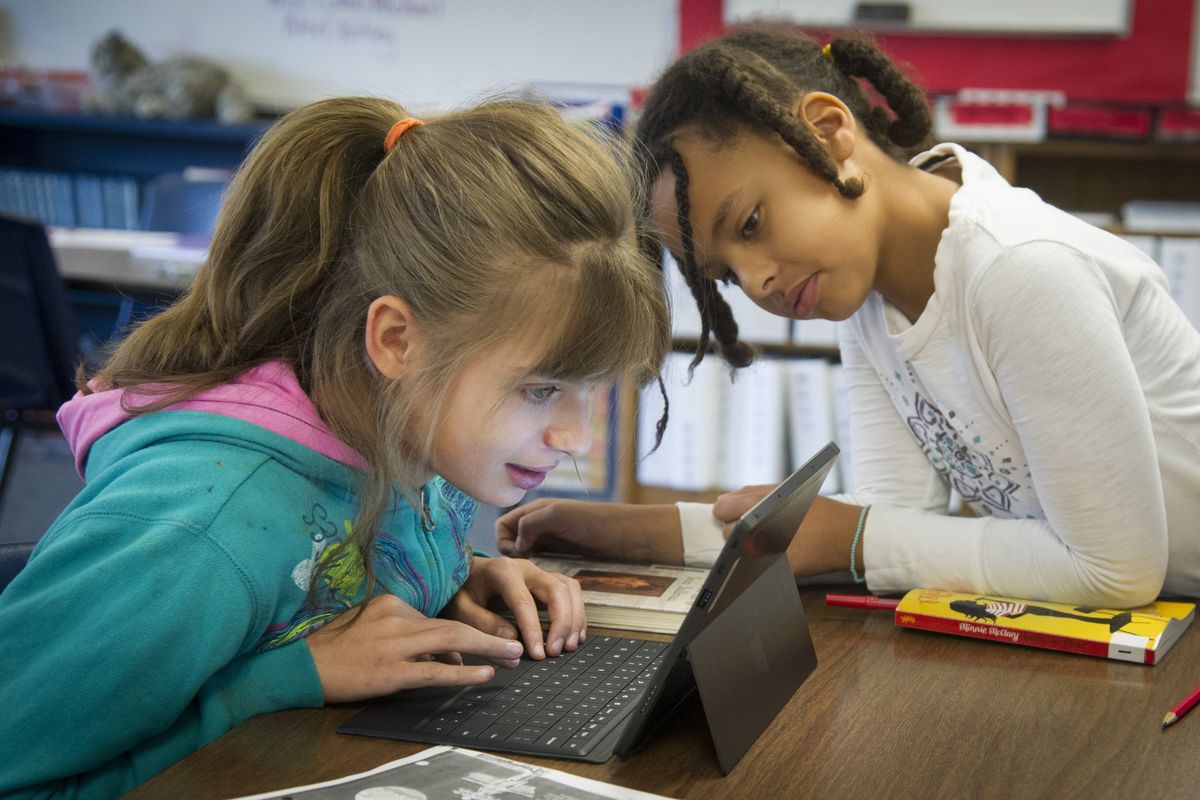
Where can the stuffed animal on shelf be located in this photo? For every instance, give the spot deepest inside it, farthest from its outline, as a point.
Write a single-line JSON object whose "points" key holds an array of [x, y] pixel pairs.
{"points": [[124, 81]]}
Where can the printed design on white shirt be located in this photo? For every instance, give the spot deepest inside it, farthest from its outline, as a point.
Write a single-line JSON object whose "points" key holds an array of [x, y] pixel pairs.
{"points": [[969, 471]]}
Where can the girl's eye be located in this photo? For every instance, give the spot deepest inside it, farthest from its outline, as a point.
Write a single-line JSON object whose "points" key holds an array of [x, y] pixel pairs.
{"points": [[540, 394], [750, 225], [729, 277]]}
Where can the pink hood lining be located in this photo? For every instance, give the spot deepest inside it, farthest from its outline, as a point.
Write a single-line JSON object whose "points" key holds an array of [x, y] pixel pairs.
{"points": [[268, 396]]}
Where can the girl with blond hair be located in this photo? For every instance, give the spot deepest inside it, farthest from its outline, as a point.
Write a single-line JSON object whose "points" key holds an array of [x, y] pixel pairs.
{"points": [[395, 321]]}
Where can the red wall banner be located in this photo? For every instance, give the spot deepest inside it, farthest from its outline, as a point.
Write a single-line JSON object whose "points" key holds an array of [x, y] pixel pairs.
{"points": [[1149, 65]]}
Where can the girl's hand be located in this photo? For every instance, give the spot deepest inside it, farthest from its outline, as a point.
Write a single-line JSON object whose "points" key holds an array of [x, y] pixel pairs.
{"points": [[597, 530], [392, 646], [821, 545], [731, 506], [521, 585]]}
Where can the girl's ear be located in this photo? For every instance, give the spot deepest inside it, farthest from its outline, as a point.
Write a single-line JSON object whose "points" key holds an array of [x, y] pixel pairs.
{"points": [[391, 336], [830, 120]]}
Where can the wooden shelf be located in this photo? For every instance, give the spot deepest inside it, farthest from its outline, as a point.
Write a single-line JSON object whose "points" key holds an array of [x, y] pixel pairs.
{"points": [[658, 495], [773, 349], [1091, 175]]}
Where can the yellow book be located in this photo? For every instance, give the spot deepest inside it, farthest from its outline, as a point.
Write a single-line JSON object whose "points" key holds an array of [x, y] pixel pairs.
{"points": [[1142, 635]]}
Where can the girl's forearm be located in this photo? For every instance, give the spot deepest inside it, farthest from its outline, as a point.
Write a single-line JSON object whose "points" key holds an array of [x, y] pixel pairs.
{"points": [[651, 533]]}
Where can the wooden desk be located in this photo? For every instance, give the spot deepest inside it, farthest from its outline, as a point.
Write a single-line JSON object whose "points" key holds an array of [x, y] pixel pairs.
{"points": [[888, 713]]}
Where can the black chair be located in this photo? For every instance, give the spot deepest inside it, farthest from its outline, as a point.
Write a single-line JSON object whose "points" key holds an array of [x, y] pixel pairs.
{"points": [[38, 352]]}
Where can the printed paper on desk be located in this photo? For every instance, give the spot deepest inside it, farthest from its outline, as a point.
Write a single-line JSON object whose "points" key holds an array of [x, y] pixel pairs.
{"points": [[453, 773]]}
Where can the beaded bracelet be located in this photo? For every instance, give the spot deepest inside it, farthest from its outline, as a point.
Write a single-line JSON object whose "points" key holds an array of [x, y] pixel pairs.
{"points": [[862, 518]]}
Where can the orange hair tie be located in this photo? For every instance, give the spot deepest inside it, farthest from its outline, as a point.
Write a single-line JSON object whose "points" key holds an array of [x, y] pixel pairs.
{"points": [[398, 130]]}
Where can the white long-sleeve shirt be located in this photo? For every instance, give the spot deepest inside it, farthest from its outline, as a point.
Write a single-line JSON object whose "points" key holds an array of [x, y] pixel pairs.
{"points": [[1053, 382]]}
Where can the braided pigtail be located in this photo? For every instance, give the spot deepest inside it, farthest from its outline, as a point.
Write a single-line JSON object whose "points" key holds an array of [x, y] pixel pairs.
{"points": [[862, 59], [736, 353], [702, 288], [716, 317]]}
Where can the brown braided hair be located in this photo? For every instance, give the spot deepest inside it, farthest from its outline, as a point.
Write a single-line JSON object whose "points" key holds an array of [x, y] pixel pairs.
{"points": [[750, 80]]}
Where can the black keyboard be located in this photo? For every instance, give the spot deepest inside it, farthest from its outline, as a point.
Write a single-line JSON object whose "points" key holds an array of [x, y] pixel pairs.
{"points": [[558, 705]]}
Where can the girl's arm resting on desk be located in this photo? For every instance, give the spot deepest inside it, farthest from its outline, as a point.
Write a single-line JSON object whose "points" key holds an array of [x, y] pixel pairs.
{"points": [[1050, 340], [115, 667], [1053, 339], [888, 463], [820, 547], [684, 533], [618, 531], [247, 686]]}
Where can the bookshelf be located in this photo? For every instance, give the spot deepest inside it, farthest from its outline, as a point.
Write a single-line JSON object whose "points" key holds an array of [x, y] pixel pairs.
{"points": [[1095, 175], [628, 487], [75, 169]]}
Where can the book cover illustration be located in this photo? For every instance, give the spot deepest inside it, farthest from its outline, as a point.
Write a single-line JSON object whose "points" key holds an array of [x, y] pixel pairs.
{"points": [[1141, 635], [643, 597], [597, 580]]}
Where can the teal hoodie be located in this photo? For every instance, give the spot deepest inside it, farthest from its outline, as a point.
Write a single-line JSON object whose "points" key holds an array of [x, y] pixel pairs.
{"points": [[168, 602]]}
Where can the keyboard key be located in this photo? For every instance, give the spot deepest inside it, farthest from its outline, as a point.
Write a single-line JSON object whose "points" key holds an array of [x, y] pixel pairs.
{"points": [[500, 730]]}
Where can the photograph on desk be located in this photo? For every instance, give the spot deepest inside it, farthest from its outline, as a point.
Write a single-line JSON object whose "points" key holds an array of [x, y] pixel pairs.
{"points": [[453, 773], [1142, 635]]}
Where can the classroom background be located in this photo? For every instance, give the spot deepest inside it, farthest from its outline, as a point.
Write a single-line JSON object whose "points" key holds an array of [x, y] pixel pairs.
{"points": [[1091, 103]]}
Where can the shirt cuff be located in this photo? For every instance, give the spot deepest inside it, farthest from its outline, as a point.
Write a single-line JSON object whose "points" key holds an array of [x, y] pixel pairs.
{"points": [[890, 560], [703, 534]]}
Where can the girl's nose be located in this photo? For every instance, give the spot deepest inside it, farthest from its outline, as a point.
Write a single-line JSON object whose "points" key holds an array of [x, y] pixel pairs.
{"points": [[571, 429], [758, 277]]}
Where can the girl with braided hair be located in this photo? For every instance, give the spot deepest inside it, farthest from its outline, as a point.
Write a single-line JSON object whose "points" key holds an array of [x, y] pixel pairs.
{"points": [[992, 344]]}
